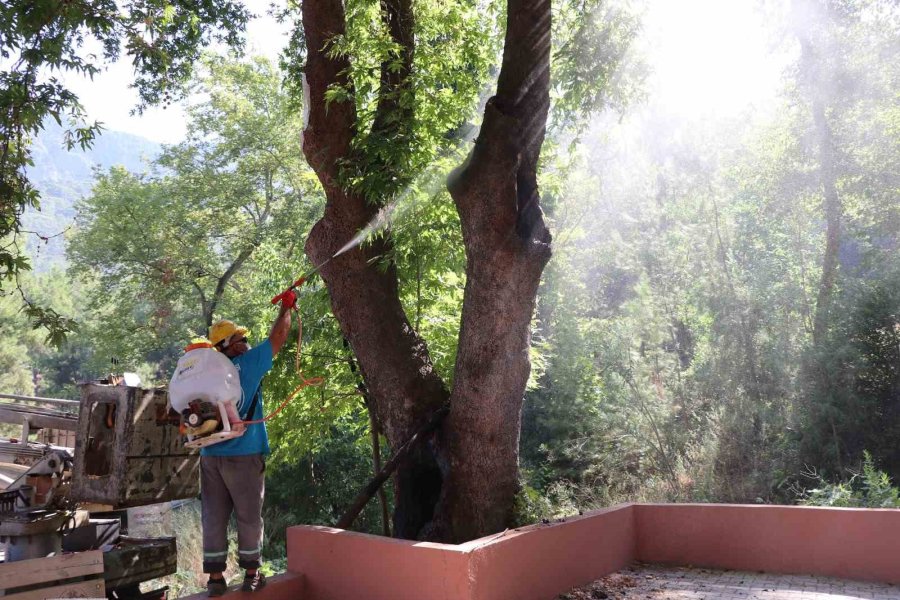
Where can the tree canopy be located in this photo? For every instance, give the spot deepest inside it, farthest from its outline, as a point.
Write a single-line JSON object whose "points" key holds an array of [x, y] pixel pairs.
{"points": [[39, 41], [718, 321]]}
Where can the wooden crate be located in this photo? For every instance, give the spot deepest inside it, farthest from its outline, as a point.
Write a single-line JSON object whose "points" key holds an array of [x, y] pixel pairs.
{"points": [[78, 575], [127, 452], [135, 560]]}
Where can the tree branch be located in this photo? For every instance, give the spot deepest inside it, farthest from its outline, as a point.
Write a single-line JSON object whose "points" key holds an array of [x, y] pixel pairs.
{"points": [[372, 487], [513, 131], [394, 113], [331, 124]]}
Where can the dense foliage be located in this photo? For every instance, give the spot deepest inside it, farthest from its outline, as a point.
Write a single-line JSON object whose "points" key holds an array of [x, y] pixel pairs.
{"points": [[41, 40], [679, 318], [676, 355]]}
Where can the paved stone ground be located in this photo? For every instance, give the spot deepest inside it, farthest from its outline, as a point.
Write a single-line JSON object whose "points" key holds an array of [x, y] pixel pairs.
{"points": [[654, 582]]}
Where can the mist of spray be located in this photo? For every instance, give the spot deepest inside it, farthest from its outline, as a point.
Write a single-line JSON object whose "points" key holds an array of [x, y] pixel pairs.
{"points": [[428, 183], [381, 220], [431, 179]]}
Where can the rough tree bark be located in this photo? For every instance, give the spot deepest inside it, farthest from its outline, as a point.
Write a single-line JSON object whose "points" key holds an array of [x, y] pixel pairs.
{"points": [[392, 357], [463, 485], [507, 246]]}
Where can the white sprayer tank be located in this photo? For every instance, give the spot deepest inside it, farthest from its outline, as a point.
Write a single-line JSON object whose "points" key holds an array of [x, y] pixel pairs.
{"points": [[204, 374]]}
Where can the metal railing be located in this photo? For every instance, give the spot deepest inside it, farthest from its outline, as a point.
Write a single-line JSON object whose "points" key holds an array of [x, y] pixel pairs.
{"points": [[64, 417], [39, 399]]}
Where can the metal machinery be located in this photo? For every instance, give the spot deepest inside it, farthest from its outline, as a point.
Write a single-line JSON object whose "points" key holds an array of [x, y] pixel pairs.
{"points": [[34, 509], [34, 479], [127, 452]]}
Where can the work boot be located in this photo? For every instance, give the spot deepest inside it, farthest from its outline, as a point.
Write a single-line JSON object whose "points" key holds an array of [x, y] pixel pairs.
{"points": [[216, 587], [253, 583]]}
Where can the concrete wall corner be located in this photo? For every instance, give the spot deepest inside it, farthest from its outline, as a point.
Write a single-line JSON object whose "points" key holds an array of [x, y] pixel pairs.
{"points": [[540, 561], [339, 564]]}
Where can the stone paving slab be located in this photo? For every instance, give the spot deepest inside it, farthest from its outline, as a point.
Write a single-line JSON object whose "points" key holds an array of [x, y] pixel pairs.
{"points": [[655, 582]]}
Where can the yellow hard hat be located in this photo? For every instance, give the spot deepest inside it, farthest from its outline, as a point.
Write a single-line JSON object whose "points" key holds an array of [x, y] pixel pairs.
{"points": [[223, 330]]}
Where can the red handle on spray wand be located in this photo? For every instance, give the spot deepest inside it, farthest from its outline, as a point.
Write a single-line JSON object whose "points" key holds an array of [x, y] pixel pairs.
{"points": [[280, 297], [301, 281]]}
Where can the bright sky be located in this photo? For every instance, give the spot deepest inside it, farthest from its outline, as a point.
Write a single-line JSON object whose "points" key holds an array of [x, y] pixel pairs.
{"points": [[707, 57], [109, 99]]}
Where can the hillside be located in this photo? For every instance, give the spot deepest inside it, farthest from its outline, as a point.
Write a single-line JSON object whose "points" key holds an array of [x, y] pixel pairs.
{"points": [[63, 176]]}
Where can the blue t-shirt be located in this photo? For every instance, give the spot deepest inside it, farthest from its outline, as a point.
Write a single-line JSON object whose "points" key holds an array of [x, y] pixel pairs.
{"points": [[252, 366]]}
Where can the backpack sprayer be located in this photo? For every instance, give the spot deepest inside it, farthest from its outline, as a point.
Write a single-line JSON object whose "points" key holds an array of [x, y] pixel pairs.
{"points": [[205, 389]]}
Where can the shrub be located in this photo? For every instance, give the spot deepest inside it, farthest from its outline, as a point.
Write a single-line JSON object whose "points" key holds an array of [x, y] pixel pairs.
{"points": [[869, 489]]}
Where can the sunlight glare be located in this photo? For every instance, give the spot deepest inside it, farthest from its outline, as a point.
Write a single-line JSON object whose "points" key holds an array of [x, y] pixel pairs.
{"points": [[709, 57]]}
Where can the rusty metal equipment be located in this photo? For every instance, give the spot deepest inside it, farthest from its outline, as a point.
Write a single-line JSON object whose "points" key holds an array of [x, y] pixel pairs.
{"points": [[34, 509], [128, 452]]}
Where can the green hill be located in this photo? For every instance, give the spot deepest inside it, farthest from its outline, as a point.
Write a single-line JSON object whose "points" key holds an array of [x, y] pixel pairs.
{"points": [[64, 176]]}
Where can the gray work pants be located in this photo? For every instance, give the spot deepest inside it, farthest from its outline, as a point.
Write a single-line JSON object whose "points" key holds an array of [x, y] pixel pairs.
{"points": [[238, 484]]}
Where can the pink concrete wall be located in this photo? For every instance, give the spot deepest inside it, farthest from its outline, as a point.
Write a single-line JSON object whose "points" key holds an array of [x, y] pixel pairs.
{"points": [[532, 563], [850, 543], [286, 586], [541, 561], [343, 565]]}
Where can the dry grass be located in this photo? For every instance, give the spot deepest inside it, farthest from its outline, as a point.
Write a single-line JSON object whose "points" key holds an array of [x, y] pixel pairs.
{"points": [[184, 524]]}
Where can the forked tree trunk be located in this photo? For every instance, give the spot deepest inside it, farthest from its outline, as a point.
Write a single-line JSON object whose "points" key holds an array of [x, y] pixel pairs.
{"points": [[507, 246], [393, 359]]}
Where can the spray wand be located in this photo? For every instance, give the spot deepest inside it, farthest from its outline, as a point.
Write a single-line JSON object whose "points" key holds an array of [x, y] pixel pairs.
{"points": [[283, 296], [301, 280]]}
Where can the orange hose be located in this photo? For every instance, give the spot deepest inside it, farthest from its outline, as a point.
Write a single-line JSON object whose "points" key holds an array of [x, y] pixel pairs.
{"points": [[303, 381]]}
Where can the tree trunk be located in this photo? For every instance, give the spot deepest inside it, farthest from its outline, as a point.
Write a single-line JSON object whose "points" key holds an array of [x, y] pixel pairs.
{"points": [[507, 247], [393, 359], [376, 468], [832, 205], [817, 81]]}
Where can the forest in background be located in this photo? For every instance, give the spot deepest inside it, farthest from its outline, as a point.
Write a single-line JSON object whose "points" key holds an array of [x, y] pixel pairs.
{"points": [[720, 321]]}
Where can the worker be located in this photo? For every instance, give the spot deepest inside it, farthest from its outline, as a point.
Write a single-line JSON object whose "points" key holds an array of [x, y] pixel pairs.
{"points": [[232, 473]]}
